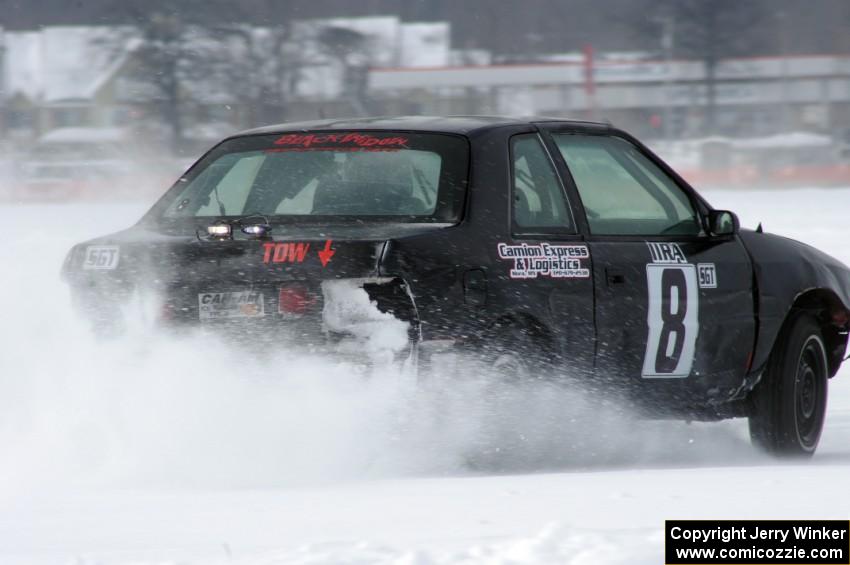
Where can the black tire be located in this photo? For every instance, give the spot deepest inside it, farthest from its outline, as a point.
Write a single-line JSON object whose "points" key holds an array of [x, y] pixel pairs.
{"points": [[515, 356], [789, 403], [513, 375]]}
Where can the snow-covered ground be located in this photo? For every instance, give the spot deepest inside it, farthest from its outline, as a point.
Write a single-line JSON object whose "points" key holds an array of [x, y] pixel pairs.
{"points": [[155, 450]]}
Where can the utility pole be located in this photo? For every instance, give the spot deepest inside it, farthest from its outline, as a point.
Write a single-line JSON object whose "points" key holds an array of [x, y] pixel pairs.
{"points": [[667, 44], [4, 95], [783, 73], [589, 82]]}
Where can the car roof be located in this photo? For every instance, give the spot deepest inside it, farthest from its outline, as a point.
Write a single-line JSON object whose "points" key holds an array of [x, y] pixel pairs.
{"points": [[447, 124]]}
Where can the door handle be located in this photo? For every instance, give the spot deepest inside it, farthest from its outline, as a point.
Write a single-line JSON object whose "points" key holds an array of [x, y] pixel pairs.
{"points": [[614, 276]]}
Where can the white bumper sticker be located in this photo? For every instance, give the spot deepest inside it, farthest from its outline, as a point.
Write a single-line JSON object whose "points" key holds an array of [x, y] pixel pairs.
{"points": [[101, 257], [707, 274]]}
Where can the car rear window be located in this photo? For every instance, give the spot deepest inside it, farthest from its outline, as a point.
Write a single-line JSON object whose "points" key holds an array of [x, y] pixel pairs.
{"points": [[326, 175]]}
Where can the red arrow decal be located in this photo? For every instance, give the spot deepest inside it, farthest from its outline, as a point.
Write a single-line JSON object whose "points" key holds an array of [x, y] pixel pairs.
{"points": [[326, 253]]}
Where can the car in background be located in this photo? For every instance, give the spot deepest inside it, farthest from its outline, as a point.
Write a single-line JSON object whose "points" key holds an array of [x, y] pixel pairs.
{"points": [[73, 162], [92, 163]]}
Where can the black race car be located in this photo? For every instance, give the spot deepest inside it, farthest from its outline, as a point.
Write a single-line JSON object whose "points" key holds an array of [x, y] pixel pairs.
{"points": [[535, 242]]}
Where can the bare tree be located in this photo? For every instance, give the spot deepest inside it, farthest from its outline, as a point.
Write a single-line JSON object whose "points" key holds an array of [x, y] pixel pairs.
{"points": [[712, 30], [351, 50], [171, 61], [260, 69], [706, 30], [173, 58]]}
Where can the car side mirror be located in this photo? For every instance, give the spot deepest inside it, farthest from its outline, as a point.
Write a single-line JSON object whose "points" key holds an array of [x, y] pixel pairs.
{"points": [[723, 222]]}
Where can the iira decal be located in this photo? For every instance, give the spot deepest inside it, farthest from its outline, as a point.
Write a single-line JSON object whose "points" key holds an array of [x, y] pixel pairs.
{"points": [[669, 253], [289, 252]]}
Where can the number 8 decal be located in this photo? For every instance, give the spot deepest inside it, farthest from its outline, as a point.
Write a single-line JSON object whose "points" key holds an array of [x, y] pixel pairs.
{"points": [[673, 320]]}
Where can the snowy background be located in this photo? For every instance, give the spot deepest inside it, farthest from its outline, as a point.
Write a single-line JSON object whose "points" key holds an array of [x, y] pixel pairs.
{"points": [[157, 450]]}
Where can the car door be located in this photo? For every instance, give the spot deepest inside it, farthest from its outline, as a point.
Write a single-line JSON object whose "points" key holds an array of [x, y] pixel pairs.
{"points": [[547, 273], [671, 302]]}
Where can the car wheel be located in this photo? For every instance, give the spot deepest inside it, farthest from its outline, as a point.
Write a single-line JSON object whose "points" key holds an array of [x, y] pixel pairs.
{"points": [[789, 403], [510, 391], [514, 356]]}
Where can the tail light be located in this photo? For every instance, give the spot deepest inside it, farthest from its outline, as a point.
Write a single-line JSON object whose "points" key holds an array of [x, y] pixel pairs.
{"points": [[294, 301]]}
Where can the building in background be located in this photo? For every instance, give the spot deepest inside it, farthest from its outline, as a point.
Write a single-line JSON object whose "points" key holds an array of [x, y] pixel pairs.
{"points": [[755, 96], [87, 77], [76, 77], [62, 77], [84, 76]]}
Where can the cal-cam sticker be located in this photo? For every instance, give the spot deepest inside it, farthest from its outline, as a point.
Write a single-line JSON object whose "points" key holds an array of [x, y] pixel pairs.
{"points": [[707, 275], [673, 314], [240, 304], [546, 260], [101, 257]]}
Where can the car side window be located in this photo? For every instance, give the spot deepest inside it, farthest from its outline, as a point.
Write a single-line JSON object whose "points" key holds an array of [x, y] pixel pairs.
{"points": [[623, 192], [538, 198]]}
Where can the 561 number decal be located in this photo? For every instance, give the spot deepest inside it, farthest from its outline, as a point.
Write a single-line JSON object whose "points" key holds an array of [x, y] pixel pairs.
{"points": [[101, 257], [673, 320]]}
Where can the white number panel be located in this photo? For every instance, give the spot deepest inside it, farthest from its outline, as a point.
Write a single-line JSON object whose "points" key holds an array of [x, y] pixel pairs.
{"points": [[101, 257], [673, 320], [707, 275]]}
